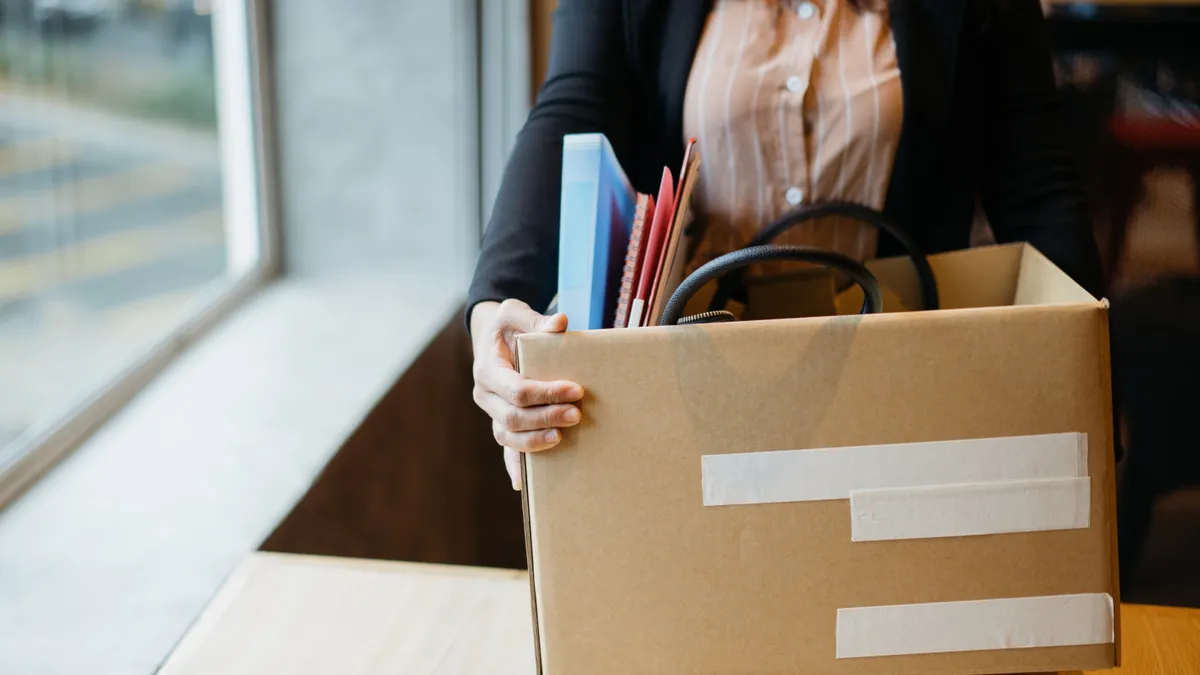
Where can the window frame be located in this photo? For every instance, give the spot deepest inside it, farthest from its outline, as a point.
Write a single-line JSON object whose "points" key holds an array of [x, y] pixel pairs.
{"points": [[504, 74], [245, 136]]}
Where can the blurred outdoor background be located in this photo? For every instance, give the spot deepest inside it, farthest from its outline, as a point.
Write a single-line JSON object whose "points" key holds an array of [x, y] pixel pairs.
{"points": [[110, 191]]}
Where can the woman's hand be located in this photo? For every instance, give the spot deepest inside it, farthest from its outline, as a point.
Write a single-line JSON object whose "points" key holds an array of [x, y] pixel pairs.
{"points": [[526, 414]]}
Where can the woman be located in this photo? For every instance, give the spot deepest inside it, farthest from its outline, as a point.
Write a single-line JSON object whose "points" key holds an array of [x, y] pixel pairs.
{"points": [[919, 108]]}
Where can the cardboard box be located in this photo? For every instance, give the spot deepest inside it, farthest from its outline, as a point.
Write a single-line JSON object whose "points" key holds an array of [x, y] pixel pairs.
{"points": [[813, 495]]}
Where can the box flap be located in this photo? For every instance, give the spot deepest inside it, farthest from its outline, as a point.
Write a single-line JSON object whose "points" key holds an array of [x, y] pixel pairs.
{"points": [[1041, 282], [980, 277], [991, 276], [527, 518]]}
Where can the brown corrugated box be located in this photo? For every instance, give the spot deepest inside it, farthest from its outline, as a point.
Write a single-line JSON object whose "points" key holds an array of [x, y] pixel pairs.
{"points": [[632, 573]]}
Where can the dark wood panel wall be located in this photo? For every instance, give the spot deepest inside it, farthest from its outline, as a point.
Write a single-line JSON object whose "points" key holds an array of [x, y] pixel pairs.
{"points": [[420, 480], [539, 33]]}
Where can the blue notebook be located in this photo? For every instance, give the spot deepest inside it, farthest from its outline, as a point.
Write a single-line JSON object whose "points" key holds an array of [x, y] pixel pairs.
{"points": [[595, 219]]}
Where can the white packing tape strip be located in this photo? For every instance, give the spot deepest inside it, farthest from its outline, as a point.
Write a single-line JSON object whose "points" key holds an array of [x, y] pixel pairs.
{"points": [[833, 473], [975, 625], [970, 509]]}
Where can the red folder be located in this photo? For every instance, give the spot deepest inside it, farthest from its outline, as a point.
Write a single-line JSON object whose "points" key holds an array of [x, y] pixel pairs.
{"points": [[676, 241], [664, 207]]}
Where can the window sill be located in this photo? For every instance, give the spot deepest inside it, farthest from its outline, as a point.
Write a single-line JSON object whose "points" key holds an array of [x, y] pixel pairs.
{"points": [[111, 556]]}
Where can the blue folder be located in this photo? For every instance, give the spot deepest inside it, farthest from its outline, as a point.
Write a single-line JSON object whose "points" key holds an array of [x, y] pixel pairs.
{"points": [[595, 219]]}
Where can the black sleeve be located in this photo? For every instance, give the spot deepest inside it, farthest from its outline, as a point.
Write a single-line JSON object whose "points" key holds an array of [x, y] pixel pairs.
{"points": [[586, 90], [1031, 188]]}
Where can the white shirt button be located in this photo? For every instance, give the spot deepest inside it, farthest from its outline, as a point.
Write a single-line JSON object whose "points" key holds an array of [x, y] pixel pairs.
{"points": [[794, 196], [795, 83], [806, 10]]}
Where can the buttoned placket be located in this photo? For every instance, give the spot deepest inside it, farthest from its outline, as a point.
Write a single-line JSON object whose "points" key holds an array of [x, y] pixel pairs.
{"points": [[797, 85]]}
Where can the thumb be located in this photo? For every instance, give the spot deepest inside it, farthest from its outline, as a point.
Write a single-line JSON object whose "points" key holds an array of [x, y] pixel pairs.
{"points": [[554, 323], [524, 319], [512, 462]]}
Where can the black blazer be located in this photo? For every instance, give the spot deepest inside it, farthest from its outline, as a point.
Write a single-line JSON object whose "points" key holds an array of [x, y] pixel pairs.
{"points": [[981, 120]]}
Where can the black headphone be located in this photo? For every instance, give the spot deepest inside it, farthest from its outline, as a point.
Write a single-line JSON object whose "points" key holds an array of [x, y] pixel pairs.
{"points": [[729, 268]]}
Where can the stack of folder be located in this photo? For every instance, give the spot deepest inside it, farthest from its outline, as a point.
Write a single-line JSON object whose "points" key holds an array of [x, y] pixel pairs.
{"points": [[621, 253]]}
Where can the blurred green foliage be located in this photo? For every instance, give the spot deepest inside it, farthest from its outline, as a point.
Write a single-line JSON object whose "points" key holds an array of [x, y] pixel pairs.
{"points": [[142, 88]]}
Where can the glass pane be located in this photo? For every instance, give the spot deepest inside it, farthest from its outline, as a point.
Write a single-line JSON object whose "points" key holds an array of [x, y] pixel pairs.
{"points": [[110, 191]]}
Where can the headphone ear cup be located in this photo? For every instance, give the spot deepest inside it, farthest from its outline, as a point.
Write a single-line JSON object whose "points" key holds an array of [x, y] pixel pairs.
{"points": [[721, 266], [732, 286]]}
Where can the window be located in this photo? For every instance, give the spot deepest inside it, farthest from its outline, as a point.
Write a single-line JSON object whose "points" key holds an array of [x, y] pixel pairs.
{"points": [[131, 208]]}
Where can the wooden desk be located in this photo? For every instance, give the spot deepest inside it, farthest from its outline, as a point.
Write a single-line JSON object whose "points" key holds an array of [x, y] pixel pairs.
{"points": [[303, 615], [1159, 640]]}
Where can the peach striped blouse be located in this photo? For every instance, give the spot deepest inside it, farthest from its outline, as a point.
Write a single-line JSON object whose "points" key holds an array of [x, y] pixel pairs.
{"points": [[792, 101]]}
